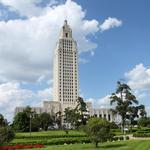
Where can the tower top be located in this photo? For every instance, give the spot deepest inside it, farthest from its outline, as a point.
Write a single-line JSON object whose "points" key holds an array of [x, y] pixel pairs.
{"points": [[66, 31], [65, 22]]}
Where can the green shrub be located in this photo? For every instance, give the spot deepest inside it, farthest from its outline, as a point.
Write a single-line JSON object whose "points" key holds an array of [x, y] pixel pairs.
{"points": [[49, 136], [115, 138], [54, 141], [137, 134], [121, 138], [127, 138]]}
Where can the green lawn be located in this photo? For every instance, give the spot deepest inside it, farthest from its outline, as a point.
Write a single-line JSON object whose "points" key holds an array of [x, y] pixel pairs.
{"points": [[120, 145]]}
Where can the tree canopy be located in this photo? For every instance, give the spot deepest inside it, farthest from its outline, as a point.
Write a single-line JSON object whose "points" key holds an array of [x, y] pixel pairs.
{"points": [[98, 130], [126, 104]]}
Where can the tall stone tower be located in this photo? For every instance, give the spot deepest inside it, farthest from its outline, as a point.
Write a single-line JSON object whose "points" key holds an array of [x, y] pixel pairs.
{"points": [[66, 69]]}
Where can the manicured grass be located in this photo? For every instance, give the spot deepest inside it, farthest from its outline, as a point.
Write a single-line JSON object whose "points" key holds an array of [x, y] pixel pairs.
{"points": [[120, 145]]}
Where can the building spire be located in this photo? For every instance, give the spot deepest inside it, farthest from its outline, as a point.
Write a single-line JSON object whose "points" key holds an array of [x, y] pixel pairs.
{"points": [[65, 22], [66, 31]]}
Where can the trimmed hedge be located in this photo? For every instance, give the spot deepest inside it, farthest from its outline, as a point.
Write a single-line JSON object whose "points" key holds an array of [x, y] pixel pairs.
{"points": [[50, 136], [54, 141], [116, 138], [141, 134]]}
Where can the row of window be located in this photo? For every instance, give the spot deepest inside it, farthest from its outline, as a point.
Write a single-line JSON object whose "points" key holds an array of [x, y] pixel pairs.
{"points": [[100, 115], [66, 41], [69, 71], [69, 85], [67, 53]]}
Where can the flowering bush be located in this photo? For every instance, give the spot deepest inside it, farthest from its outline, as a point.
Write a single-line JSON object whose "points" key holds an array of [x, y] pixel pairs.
{"points": [[21, 147]]}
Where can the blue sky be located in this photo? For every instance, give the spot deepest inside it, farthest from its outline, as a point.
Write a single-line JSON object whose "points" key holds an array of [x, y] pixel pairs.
{"points": [[113, 41], [120, 49]]}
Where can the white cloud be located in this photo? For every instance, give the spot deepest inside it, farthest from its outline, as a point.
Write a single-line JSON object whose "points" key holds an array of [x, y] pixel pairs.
{"points": [[26, 47], [45, 94], [139, 77], [23, 7], [83, 60], [103, 102], [12, 95], [110, 23]]}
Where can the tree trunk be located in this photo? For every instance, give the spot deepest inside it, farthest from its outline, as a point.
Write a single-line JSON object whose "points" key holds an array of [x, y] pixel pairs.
{"points": [[123, 124], [96, 144]]}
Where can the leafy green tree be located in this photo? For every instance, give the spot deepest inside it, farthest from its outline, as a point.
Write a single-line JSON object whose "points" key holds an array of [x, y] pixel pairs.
{"points": [[123, 99], [58, 119], [98, 130], [113, 125], [135, 112], [3, 121], [21, 122], [46, 120], [23, 119], [71, 116], [82, 109], [142, 111], [126, 104], [144, 122], [6, 132]]}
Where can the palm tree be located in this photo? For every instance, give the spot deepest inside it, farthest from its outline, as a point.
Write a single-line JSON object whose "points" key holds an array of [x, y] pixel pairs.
{"points": [[123, 98]]}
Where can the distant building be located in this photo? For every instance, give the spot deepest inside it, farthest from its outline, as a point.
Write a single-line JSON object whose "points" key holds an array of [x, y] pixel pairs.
{"points": [[66, 87]]}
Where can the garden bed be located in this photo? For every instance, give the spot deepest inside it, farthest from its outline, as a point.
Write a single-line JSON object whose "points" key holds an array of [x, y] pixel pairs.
{"points": [[14, 147]]}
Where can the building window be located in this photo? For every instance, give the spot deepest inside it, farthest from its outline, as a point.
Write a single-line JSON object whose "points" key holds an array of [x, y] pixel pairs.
{"points": [[105, 116], [109, 117], [66, 35]]}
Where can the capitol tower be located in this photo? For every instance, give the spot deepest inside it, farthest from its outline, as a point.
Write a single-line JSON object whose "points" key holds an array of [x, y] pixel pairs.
{"points": [[66, 69], [65, 81]]}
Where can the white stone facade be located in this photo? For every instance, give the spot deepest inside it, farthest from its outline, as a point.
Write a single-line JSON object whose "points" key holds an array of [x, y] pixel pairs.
{"points": [[66, 69]]}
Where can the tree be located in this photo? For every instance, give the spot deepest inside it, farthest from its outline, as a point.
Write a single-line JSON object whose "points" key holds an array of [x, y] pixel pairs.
{"points": [[144, 122], [3, 121], [142, 111], [135, 112], [58, 119], [21, 122], [46, 120], [82, 109], [6, 132], [98, 130], [71, 116], [125, 103], [23, 119], [123, 98]]}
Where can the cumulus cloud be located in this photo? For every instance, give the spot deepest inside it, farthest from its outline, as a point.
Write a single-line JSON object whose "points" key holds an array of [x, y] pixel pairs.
{"points": [[23, 7], [110, 23], [26, 47], [12, 95], [103, 102], [139, 77]]}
